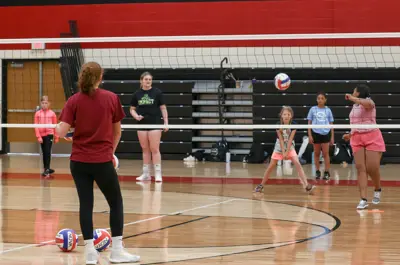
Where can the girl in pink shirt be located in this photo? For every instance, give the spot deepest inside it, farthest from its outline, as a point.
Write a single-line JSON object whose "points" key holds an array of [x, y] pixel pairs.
{"points": [[367, 144], [45, 136]]}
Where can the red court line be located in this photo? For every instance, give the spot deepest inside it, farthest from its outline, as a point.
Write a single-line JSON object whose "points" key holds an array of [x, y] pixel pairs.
{"points": [[213, 180]]}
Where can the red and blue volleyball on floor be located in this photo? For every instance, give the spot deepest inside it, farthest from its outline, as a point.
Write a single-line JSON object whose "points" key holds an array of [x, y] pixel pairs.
{"points": [[67, 239], [102, 239]]}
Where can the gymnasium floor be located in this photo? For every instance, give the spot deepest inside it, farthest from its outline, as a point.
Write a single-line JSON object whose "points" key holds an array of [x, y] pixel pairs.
{"points": [[204, 213]]}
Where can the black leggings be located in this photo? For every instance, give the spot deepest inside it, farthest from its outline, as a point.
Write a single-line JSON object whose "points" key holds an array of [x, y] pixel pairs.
{"points": [[46, 150], [106, 178]]}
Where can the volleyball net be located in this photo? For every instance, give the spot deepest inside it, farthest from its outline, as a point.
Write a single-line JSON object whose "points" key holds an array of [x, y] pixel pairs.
{"points": [[336, 50], [188, 69]]}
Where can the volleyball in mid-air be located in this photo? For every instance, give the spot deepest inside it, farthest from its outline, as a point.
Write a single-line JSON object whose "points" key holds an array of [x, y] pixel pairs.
{"points": [[282, 81]]}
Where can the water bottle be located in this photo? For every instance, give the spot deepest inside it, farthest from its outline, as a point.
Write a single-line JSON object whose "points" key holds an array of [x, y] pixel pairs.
{"points": [[228, 157]]}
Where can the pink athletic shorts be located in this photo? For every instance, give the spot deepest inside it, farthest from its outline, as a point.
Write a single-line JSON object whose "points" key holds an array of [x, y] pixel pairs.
{"points": [[279, 156], [371, 141]]}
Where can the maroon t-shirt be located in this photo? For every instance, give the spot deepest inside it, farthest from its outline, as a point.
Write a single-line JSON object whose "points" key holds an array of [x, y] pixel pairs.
{"points": [[92, 117]]}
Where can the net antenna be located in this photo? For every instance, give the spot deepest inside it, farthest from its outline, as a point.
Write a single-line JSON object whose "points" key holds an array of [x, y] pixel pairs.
{"points": [[71, 60]]}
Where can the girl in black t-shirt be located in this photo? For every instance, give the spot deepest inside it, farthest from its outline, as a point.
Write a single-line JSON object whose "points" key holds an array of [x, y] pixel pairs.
{"points": [[147, 107]]}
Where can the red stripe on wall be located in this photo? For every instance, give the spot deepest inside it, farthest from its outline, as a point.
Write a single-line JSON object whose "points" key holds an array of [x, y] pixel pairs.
{"points": [[247, 17]]}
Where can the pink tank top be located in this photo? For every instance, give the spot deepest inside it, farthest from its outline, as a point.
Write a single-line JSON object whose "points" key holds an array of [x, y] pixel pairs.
{"points": [[361, 115]]}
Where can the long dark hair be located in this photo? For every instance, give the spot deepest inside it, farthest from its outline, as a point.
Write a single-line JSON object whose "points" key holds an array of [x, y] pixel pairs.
{"points": [[321, 93], [363, 90]]}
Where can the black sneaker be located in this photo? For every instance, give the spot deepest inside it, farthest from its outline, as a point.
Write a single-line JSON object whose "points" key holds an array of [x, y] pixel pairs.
{"points": [[327, 175], [51, 171], [317, 174], [46, 173]]}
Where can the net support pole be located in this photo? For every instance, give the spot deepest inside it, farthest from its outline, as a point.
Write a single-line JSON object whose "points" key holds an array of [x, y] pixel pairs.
{"points": [[221, 96]]}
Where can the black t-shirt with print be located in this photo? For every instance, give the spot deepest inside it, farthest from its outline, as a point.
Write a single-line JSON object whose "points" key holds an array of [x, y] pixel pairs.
{"points": [[147, 103]]}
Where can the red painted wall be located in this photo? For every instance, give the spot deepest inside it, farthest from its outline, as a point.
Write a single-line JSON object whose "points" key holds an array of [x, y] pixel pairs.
{"points": [[247, 17]]}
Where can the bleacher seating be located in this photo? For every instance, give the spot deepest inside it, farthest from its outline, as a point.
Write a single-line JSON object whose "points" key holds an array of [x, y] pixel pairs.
{"points": [[239, 102], [193, 100]]}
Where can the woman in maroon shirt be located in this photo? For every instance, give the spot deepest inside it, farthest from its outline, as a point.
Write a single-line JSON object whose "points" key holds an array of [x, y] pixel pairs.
{"points": [[95, 114]]}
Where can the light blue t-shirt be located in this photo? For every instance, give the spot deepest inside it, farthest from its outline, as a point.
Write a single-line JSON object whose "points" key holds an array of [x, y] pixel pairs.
{"points": [[320, 116]]}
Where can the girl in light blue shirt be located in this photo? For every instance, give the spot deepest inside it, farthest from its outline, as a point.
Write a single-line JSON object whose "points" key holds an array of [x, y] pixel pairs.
{"points": [[321, 138]]}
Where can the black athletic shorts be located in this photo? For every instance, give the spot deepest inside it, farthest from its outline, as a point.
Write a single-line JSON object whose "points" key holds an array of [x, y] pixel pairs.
{"points": [[150, 120], [320, 138]]}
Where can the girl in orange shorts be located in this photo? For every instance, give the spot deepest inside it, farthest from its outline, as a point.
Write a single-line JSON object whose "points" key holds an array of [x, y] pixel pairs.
{"points": [[367, 144], [284, 149]]}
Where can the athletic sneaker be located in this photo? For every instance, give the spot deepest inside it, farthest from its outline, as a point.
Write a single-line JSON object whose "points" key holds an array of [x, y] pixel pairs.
{"points": [[310, 188], [158, 176], [46, 173], [327, 175], [92, 257], [362, 205], [157, 173], [377, 197], [122, 256], [259, 188], [317, 174], [144, 177]]}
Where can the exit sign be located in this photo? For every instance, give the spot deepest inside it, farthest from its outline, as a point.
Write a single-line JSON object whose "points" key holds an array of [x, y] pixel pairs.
{"points": [[38, 46]]}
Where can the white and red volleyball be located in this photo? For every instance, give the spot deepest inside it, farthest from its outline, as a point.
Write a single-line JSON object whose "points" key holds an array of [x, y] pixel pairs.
{"points": [[115, 162], [282, 81], [66, 240], [101, 239]]}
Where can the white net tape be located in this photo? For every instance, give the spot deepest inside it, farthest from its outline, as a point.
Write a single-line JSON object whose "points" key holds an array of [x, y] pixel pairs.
{"points": [[372, 35], [228, 127], [206, 51]]}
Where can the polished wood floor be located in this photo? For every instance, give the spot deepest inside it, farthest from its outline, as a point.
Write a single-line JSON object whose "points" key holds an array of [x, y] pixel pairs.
{"points": [[205, 213]]}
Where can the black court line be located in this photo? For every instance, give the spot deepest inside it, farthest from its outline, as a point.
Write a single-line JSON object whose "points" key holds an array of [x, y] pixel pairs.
{"points": [[167, 227], [327, 231]]}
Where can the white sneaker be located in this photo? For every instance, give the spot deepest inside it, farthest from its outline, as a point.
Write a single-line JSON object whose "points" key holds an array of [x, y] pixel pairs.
{"points": [[122, 256], [144, 177], [157, 172], [189, 158], [362, 205], [377, 197], [158, 176], [92, 257]]}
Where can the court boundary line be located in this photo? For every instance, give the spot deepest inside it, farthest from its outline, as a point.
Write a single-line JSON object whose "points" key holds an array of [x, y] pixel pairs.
{"points": [[338, 224], [128, 224]]}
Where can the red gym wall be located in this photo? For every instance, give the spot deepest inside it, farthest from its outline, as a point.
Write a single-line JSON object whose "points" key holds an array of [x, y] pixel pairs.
{"points": [[191, 18]]}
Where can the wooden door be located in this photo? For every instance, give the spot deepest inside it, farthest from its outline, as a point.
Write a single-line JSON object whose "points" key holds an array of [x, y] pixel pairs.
{"points": [[23, 95], [22, 98]]}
